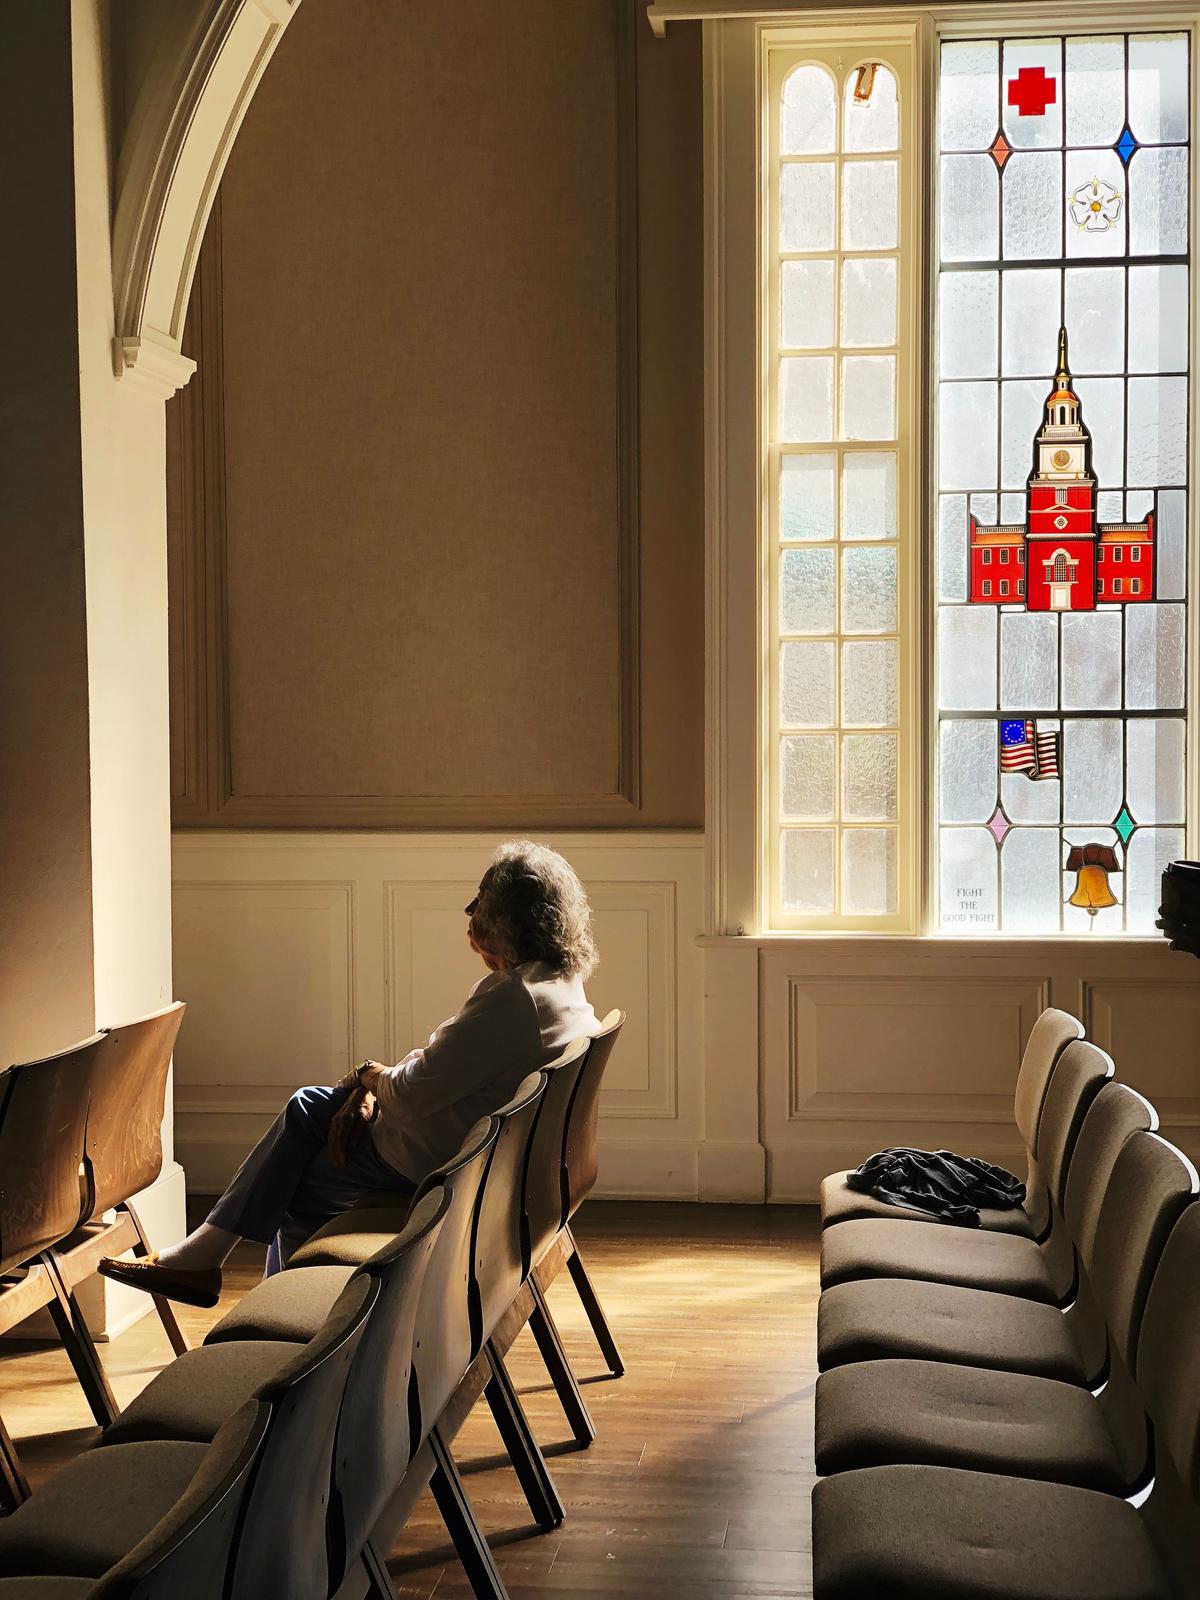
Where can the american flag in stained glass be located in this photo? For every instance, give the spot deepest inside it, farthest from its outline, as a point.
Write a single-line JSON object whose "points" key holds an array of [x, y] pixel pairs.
{"points": [[1024, 749]]}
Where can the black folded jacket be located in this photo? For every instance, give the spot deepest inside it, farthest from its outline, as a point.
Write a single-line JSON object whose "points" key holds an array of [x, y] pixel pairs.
{"points": [[939, 1182]]}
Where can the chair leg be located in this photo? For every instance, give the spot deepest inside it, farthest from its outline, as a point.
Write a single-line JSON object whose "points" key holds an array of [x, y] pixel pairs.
{"points": [[527, 1459], [166, 1312], [14, 1486], [542, 1326], [379, 1581], [595, 1311], [80, 1347], [450, 1494]]}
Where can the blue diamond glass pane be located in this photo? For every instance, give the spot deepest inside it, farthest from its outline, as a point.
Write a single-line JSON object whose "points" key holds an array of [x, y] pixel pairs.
{"points": [[1125, 146]]}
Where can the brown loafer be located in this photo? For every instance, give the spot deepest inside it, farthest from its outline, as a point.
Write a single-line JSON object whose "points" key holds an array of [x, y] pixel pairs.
{"points": [[191, 1287]]}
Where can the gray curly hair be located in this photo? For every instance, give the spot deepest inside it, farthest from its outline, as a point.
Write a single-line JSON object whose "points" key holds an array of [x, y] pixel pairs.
{"points": [[532, 907]]}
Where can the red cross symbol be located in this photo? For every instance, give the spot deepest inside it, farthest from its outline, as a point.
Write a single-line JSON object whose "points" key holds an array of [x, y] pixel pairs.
{"points": [[1031, 91]]}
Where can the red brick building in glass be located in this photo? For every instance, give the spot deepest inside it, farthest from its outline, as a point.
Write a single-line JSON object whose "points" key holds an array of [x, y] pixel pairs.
{"points": [[1062, 559]]}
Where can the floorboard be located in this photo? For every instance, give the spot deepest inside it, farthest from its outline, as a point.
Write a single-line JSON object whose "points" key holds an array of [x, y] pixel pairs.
{"points": [[700, 1475]]}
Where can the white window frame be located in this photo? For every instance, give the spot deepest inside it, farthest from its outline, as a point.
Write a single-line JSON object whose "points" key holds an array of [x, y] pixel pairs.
{"points": [[738, 625]]}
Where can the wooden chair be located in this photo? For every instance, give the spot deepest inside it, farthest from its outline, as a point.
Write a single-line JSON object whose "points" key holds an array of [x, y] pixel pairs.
{"points": [[123, 1151], [43, 1115]]}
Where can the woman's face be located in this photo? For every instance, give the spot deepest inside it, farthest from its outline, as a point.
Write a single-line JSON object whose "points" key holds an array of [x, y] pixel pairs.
{"points": [[491, 960]]}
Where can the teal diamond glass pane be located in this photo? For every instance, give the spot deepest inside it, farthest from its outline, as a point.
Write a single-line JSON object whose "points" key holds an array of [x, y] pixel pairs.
{"points": [[1124, 825]]}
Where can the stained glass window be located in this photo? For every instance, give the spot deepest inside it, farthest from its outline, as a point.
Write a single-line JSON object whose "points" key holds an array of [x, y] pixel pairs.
{"points": [[839, 553], [1062, 474]]}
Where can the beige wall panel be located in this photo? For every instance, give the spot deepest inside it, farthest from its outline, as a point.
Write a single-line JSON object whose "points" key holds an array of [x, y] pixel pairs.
{"points": [[1152, 1031], [419, 240]]}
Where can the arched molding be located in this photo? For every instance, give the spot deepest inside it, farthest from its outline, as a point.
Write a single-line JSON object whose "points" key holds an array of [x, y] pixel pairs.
{"points": [[185, 119]]}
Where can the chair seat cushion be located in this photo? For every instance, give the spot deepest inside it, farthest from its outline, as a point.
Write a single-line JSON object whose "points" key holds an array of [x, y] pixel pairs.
{"points": [[931, 1413], [941, 1534], [841, 1203], [880, 1317], [192, 1397], [352, 1237], [292, 1305], [872, 1248], [96, 1509]]}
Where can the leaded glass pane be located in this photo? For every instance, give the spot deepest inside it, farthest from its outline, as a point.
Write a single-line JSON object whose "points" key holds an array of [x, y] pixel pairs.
{"points": [[1097, 206], [809, 114], [872, 114], [1095, 307], [1158, 87], [869, 202], [967, 435], [868, 397], [806, 684], [969, 317], [806, 497], [869, 495], [1171, 577], [952, 547], [807, 591], [1086, 897], [869, 857], [970, 195], [969, 94], [967, 668], [1158, 201], [1091, 660], [1146, 859], [1155, 657], [1029, 881], [1030, 321], [1157, 430], [807, 779], [806, 399], [806, 314], [967, 763], [806, 206], [806, 869], [869, 777], [1033, 215], [1156, 790], [868, 301], [1094, 779], [969, 879], [1021, 404], [1104, 405], [869, 589], [1028, 662], [1032, 95], [870, 683], [1095, 90], [1159, 312]]}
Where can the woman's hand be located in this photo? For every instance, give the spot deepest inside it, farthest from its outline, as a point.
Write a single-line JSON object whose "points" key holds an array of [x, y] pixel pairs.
{"points": [[350, 1123]]}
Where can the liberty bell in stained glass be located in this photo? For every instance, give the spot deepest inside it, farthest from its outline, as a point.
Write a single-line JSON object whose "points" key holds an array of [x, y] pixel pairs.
{"points": [[1092, 864]]}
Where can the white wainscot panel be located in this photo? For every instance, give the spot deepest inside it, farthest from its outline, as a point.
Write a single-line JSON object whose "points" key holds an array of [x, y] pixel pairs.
{"points": [[1152, 1032]]}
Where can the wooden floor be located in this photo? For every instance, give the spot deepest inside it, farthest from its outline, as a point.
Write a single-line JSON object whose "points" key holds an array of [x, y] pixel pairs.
{"points": [[699, 1478]]}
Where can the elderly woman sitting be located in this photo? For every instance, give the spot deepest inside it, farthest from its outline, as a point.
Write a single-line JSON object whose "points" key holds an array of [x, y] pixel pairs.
{"points": [[386, 1128]]}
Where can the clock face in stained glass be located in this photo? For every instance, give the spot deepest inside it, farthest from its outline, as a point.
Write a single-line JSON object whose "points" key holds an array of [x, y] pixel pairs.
{"points": [[1062, 466]]}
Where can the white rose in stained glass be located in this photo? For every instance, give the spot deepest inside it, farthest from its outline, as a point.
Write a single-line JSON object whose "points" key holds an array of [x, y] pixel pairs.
{"points": [[1096, 206]]}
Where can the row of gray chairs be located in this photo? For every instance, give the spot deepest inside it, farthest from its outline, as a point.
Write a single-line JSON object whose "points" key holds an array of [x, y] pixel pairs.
{"points": [[1014, 1410], [283, 1455]]}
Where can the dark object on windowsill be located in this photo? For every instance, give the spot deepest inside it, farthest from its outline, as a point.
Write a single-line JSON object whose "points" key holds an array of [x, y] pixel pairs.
{"points": [[1179, 913]]}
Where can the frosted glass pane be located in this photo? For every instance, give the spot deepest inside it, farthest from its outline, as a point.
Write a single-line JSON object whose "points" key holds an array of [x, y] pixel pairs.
{"points": [[869, 589], [1093, 775], [806, 312], [969, 94], [952, 547], [1158, 202], [806, 871], [869, 778], [967, 657], [872, 124], [1158, 87], [1110, 506], [806, 497], [869, 872], [1138, 504], [1158, 319], [870, 684], [1012, 509], [1035, 119], [1095, 95], [869, 205], [806, 209], [1030, 881], [1091, 660], [968, 316], [807, 779], [970, 196], [967, 435], [1171, 583], [806, 686], [1155, 782], [1023, 405], [986, 507], [806, 591], [967, 770], [1028, 662], [1146, 859], [1096, 207], [1033, 218], [1103, 401], [1026, 801], [809, 116], [806, 399], [967, 862], [1155, 657], [1095, 303], [1031, 322], [868, 397], [1076, 919], [1157, 431], [869, 495], [868, 301]]}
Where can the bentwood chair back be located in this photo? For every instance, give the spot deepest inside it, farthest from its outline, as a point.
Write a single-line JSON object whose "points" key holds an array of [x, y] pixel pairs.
{"points": [[375, 1429], [499, 1231], [544, 1204], [1081, 1073], [283, 1545], [1048, 1038], [580, 1162], [447, 1337], [187, 1555], [43, 1117], [123, 1153]]}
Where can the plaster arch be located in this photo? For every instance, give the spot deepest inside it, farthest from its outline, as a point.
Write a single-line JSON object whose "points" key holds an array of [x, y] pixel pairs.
{"points": [[195, 92]]}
